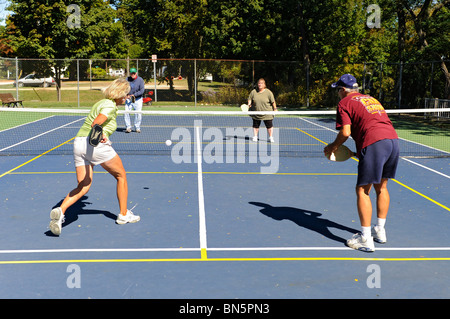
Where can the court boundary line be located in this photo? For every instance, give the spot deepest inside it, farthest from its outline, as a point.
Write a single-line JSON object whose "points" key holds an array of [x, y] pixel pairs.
{"points": [[237, 173], [192, 173], [39, 135], [393, 179], [27, 123], [35, 158], [201, 197], [215, 249], [401, 138], [204, 258], [426, 167], [148, 260]]}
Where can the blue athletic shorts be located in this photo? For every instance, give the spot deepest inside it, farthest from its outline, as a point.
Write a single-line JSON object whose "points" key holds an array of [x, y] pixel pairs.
{"points": [[378, 161]]}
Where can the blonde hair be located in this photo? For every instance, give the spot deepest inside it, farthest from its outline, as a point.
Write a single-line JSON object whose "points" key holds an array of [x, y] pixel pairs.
{"points": [[117, 89]]}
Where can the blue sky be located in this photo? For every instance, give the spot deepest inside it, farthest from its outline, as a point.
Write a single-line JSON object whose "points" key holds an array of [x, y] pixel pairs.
{"points": [[3, 12]]}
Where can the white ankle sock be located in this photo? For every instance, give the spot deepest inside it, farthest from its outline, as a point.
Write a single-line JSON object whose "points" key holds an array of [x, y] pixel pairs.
{"points": [[366, 232], [381, 222]]}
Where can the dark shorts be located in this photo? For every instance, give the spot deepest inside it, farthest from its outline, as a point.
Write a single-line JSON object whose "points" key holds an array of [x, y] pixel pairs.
{"points": [[267, 123], [378, 161]]}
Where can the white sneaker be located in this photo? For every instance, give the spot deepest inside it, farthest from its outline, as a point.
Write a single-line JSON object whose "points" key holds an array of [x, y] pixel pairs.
{"points": [[57, 219], [138, 130], [128, 218], [128, 130], [271, 140], [379, 234], [255, 139], [359, 242]]}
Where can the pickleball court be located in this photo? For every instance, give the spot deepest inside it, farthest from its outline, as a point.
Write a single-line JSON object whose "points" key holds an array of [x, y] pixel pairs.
{"points": [[220, 217]]}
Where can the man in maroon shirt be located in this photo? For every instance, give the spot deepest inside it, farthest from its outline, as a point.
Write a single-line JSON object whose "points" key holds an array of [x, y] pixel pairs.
{"points": [[364, 119]]}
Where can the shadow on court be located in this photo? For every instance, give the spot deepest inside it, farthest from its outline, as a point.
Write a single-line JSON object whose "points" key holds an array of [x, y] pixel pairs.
{"points": [[304, 218], [79, 208]]}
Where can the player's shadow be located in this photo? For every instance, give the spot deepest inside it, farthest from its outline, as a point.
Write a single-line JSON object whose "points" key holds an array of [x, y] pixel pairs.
{"points": [[305, 218], [236, 137], [79, 208]]}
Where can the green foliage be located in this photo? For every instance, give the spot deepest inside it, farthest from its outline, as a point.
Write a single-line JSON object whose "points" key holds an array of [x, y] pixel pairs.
{"points": [[326, 37], [43, 29]]}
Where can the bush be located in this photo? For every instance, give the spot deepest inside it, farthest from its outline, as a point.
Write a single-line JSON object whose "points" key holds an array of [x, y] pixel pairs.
{"points": [[226, 95]]}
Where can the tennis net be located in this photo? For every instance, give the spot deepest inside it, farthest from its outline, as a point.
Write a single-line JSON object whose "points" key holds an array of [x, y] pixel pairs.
{"points": [[31, 132]]}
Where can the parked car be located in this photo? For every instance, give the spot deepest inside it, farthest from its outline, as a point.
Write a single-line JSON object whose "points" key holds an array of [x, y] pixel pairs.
{"points": [[35, 80]]}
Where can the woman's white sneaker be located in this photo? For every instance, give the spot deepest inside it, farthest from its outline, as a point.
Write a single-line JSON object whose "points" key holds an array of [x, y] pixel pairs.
{"points": [[359, 242], [56, 221], [128, 218], [379, 234]]}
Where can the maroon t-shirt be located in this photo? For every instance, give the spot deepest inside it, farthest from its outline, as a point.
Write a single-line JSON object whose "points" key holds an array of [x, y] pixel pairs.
{"points": [[368, 119]]}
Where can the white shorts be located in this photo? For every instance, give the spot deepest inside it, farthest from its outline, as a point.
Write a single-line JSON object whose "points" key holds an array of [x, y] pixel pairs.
{"points": [[85, 154]]}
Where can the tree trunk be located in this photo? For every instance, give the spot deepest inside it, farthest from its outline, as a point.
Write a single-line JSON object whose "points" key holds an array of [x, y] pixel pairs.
{"points": [[447, 79]]}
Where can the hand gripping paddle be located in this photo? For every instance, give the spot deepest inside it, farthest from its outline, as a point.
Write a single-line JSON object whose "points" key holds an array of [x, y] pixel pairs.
{"points": [[342, 154], [96, 135]]}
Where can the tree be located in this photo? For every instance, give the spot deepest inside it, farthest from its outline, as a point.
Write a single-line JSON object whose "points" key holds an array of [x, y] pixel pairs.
{"points": [[55, 31], [431, 24], [5, 43]]}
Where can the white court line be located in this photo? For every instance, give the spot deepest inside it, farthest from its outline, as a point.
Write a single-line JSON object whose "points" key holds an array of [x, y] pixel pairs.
{"points": [[201, 199], [325, 248], [12, 128], [94, 250], [32, 138], [106, 250], [405, 159], [426, 167], [321, 126]]}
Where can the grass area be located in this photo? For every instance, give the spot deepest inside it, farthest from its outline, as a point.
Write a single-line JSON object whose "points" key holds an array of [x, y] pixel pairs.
{"points": [[47, 98], [431, 132], [89, 93]]}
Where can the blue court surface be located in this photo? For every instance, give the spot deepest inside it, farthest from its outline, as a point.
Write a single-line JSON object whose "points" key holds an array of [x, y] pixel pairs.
{"points": [[250, 224]]}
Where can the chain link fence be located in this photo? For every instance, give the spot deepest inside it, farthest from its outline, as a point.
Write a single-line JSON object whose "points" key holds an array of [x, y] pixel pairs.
{"points": [[201, 82]]}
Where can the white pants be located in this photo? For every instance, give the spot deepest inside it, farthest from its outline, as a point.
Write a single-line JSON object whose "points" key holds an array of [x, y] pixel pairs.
{"points": [[86, 154], [136, 106]]}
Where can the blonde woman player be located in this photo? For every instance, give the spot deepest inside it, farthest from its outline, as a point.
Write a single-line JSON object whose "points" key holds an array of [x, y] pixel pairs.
{"points": [[86, 156]]}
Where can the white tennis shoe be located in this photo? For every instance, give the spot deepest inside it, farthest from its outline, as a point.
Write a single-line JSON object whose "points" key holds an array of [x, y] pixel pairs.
{"points": [[379, 234], [359, 242], [128, 218], [56, 221]]}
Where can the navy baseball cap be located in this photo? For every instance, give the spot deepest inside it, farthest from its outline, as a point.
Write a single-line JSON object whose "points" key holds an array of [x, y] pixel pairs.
{"points": [[346, 81]]}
